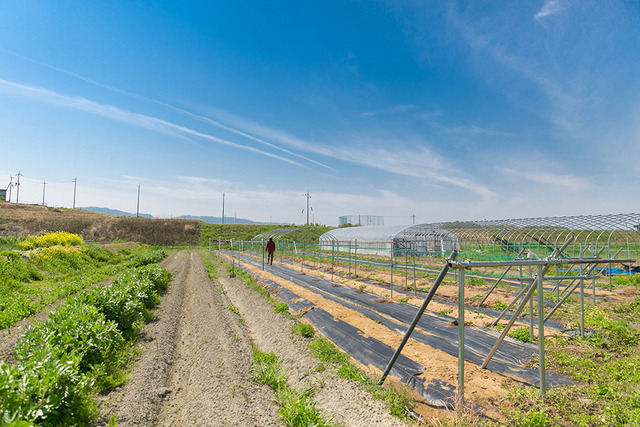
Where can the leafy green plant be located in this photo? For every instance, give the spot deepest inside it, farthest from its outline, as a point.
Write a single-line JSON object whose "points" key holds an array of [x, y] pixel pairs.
{"points": [[500, 306], [476, 281], [63, 359], [304, 330], [48, 390], [77, 329], [522, 334]]}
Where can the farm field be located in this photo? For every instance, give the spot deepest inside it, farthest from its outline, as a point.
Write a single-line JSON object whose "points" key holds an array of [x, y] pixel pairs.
{"points": [[231, 343], [197, 362]]}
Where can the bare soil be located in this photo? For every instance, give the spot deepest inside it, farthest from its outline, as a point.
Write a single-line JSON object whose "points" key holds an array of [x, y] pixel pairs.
{"points": [[196, 362]]}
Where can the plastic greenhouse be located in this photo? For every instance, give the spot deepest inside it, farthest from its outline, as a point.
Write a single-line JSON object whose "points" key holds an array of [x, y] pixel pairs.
{"points": [[592, 235]]}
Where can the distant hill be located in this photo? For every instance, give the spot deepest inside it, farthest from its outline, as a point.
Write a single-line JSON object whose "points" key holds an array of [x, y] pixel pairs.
{"points": [[114, 212], [208, 219], [218, 220]]}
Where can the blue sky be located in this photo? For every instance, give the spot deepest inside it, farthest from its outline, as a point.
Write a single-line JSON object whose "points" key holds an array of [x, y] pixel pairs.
{"points": [[445, 110]]}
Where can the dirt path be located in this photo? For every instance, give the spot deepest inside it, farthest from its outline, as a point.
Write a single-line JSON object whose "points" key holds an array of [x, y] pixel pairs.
{"points": [[196, 361], [195, 367]]}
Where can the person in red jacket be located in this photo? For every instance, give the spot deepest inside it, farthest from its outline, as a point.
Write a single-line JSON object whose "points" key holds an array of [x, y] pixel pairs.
{"points": [[271, 248]]}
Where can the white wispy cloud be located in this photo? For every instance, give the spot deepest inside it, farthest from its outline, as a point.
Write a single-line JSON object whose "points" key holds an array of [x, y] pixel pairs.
{"points": [[566, 102], [124, 116], [416, 162], [569, 182], [166, 105], [550, 7]]}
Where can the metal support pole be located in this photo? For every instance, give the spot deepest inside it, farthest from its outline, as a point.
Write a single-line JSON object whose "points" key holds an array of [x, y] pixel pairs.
{"points": [[406, 269], [349, 259], [355, 259], [263, 254], [513, 319], [530, 311], [418, 315], [506, 310], [581, 304], [303, 249], [333, 249], [413, 253], [391, 282], [541, 331], [499, 280], [460, 396]]}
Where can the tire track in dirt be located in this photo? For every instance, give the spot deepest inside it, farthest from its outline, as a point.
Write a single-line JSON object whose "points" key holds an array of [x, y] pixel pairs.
{"points": [[195, 367]]}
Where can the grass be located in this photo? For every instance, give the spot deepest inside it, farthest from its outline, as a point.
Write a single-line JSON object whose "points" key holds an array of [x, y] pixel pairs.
{"points": [[606, 365], [396, 399], [303, 329], [296, 406]]}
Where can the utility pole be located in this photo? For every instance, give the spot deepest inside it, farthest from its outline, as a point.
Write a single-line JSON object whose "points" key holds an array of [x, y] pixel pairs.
{"points": [[414, 218], [44, 185], [138, 205], [18, 188], [75, 181], [10, 187], [223, 208], [308, 197]]}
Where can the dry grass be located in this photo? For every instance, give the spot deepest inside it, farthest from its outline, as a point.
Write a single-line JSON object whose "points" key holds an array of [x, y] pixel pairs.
{"points": [[93, 226]]}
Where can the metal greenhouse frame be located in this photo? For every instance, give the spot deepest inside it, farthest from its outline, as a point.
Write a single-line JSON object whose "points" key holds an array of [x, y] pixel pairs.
{"points": [[502, 239]]}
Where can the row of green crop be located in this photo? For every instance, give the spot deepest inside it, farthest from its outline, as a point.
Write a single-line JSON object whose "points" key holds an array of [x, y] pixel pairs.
{"points": [[78, 350], [28, 284]]}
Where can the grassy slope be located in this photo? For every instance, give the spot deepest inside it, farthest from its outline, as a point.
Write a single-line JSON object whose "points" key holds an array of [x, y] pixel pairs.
{"points": [[94, 226]]}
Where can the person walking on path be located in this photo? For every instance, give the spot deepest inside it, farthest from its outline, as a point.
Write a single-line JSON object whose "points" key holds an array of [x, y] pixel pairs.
{"points": [[271, 248]]}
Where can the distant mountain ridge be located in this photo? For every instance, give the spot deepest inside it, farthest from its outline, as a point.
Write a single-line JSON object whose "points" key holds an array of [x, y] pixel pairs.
{"points": [[208, 219], [218, 220], [114, 212]]}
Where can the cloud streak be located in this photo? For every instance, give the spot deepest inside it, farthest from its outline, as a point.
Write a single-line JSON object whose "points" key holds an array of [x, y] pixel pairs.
{"points": [[550, 7], [169, 106], [420, 162], [123, 116], [570, 182]]}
